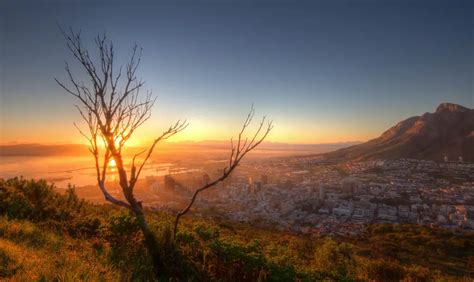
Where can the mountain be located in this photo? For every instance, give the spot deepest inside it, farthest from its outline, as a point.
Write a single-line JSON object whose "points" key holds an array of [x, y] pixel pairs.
{"points": [[449, 131]]}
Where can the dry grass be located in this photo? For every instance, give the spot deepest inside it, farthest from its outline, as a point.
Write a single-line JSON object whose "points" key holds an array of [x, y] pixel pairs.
{"points": [[28, 253]]}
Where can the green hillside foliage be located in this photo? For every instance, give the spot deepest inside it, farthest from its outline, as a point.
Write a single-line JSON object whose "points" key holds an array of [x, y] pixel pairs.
{"points": [[50, 236]]}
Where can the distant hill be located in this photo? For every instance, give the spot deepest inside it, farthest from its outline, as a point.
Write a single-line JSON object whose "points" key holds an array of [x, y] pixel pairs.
{"points": [[265, 146], [171, 147], [449, 131]]}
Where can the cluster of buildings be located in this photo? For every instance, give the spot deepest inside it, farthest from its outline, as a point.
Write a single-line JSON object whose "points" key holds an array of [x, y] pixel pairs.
{"points": [[308, 195]]}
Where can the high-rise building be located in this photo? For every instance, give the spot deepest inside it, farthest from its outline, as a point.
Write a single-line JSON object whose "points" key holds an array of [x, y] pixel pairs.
{"points": [[206, 179], [154, 187], [250, 180], [250, 186], [322, 191], [350, 186], [169, 183]]}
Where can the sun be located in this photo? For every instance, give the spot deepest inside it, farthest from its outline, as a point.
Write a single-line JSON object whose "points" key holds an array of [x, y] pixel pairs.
{"points": [[112, 163]]}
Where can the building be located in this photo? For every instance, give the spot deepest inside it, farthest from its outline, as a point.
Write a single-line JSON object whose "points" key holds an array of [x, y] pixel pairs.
{"points": [[155, 187], [322, 191], [344, 209], [206, 179], [350, 186], [170, 183]]}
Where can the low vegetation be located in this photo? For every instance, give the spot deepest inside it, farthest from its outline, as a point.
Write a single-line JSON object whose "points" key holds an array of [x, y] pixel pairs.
{"points": [[48, 236]]}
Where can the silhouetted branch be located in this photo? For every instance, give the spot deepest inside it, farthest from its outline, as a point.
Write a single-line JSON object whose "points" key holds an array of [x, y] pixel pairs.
{"points": [[237, 153], [172, 130]]}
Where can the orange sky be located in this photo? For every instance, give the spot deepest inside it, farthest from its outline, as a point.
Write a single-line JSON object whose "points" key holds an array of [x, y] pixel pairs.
{"points": [[283, 132]]}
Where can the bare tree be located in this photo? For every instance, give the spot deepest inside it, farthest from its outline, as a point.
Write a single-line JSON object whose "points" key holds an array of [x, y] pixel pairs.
{"points": [[112, 108]]}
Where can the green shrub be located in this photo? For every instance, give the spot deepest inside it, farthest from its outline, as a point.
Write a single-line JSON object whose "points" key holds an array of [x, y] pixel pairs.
{"points": [[24, 232], [233, 260], [335, 257], [36, 200], [207, 232]]}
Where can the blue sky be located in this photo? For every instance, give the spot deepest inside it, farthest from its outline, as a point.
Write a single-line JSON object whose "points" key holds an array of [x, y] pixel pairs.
{"points": [[324, 71]]}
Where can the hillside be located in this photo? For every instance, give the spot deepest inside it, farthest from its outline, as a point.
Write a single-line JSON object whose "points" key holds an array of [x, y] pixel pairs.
{"points": [[449, 131], [48, 236]]}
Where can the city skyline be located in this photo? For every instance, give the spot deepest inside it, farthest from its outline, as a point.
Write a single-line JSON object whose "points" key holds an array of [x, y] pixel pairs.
{"points": [[324, 72]]}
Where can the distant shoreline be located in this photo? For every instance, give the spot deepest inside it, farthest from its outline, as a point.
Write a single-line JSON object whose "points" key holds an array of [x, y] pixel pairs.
{"points": [[42, 150]]}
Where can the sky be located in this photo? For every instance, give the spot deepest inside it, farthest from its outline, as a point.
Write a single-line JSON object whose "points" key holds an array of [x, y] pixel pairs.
{"points": [[323, 71]]}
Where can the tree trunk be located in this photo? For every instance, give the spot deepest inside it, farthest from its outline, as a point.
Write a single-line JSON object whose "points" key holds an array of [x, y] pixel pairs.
{"points": [[151, 242]]}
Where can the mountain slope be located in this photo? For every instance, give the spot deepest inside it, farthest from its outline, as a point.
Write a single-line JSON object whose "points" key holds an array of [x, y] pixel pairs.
{"points": [[449, 131]]}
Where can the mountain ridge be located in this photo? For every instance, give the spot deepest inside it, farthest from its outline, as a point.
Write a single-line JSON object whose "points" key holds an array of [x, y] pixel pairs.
{"points": [[447, 132]]}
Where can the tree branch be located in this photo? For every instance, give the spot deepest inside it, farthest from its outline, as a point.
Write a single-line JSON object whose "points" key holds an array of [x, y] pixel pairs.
{"points": [[172, 130], [236, 155]]}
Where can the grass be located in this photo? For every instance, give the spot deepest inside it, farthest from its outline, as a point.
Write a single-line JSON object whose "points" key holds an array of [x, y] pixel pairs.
{"points": [[30, 253], [209, 250]]}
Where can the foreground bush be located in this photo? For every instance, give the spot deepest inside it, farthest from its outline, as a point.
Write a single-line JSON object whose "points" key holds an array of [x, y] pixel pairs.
{"points": [[39, 202]]}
